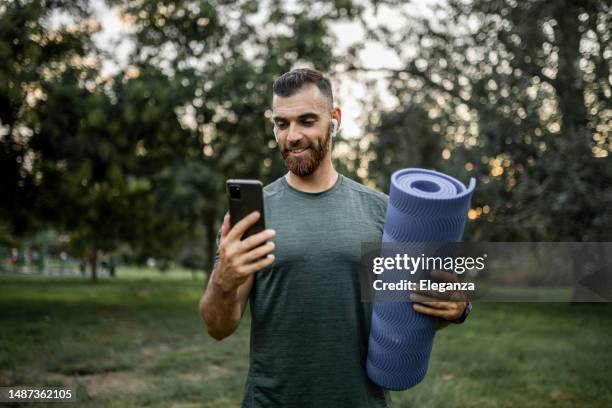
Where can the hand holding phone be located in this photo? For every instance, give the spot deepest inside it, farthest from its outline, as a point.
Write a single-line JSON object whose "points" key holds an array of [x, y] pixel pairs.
{"points": [[245, 244]]}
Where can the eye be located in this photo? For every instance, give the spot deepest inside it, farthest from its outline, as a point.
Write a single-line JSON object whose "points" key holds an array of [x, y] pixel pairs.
{"points": [[281, 125], [308, 122]]}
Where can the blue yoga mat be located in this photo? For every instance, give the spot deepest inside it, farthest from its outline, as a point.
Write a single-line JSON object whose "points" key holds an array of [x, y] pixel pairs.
{"points": [[424, 206]]}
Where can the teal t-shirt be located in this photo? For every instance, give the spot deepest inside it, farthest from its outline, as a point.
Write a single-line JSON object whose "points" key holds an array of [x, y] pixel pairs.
{"points": [[309, 328]]}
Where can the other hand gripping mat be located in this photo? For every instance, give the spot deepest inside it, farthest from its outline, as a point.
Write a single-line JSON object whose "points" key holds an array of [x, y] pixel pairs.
{"points": [[424, 206]]}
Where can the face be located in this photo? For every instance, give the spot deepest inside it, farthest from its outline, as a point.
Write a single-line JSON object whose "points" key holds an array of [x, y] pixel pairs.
{"points": [[303, 123]]}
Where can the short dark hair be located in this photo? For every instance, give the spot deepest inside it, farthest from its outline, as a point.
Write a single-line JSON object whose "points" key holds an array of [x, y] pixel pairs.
{"points": [[291, 82]]}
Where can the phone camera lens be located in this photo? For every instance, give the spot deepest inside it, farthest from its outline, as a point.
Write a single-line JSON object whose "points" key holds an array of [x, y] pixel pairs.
{"points": [[235, 192]]}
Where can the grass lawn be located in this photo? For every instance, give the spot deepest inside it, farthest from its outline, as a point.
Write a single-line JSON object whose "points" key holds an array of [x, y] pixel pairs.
{"points": [[138, 341]]}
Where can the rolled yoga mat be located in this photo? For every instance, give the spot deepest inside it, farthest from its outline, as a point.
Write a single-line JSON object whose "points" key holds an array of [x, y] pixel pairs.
{"points": [[424, 206]]}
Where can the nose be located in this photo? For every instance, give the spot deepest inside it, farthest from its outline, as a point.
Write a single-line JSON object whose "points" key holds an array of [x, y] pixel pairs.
{"points": [[294, 133]]}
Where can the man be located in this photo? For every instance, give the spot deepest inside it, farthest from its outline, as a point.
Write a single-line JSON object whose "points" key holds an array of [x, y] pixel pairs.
{"points": [[309, 328]]}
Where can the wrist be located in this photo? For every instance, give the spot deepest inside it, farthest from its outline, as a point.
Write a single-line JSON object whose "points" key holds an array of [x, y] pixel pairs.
{"points": [[466, 312], [219, 286]]}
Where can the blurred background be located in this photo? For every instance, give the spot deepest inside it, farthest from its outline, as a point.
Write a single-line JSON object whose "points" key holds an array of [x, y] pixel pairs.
{"points": [[121, 120]]}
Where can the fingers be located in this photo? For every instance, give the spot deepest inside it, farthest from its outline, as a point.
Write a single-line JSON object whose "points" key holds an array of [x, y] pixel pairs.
{"points": [[427, 301], [257, 239], [446, 310], [430, 311], [244, 224], [226, 225], [257, 253], [443, 276], [258, 265], [448, 295]]}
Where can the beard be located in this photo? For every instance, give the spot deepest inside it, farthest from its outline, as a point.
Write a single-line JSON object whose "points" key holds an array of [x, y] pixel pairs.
{"points": [[305, 166]]}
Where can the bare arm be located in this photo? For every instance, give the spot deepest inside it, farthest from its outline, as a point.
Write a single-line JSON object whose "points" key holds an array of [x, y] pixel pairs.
{"points": [[222, 310], [230, 283]]}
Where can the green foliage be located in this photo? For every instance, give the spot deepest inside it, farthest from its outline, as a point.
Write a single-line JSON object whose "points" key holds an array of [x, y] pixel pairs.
{"points": [[33, 56], [139, 160], [404, 139], [514, 93], [518, 95]]}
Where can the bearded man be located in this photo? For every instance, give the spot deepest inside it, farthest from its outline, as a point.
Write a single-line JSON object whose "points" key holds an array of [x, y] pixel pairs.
{"points": [[309, 328]]}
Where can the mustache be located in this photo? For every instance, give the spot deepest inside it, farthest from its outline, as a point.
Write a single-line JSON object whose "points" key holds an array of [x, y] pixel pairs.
{"points": [[295, 146]]}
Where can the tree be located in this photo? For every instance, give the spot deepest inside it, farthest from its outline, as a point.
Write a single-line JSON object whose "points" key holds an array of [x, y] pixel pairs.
{"points": [[519, 94], [34, 55], [100, 152], [228, 55], [139, 159]]}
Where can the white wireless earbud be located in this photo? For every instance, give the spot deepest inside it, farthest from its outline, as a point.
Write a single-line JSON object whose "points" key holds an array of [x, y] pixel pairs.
{"points": [[335, 127], [275, 133]]}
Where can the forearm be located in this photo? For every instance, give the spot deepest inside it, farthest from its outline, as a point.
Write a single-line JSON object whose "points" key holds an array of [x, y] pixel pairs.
{"points": [[220, 310]]}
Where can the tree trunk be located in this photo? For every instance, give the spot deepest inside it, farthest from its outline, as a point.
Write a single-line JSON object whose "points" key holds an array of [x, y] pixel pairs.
{"points": [[569, 83], [576, 136], [93, 261]]}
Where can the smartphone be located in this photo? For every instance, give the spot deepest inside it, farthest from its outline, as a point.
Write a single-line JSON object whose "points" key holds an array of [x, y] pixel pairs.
{"points": [[246, 196]]}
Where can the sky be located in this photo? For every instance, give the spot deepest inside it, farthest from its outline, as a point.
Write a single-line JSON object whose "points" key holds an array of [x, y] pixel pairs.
{"points": [[113, 38]]}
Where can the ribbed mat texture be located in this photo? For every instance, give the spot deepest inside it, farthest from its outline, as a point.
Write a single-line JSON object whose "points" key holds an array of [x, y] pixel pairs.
{"points": [[424, 206]]}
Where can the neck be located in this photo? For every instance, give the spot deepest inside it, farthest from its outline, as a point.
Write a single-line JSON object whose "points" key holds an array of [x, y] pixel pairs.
{"points": [[323, 178]]}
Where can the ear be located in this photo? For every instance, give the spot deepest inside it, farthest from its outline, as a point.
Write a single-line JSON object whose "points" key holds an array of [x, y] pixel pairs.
{"points": [[336, 119]]}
